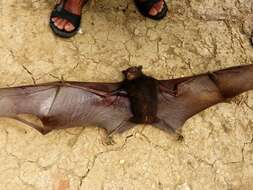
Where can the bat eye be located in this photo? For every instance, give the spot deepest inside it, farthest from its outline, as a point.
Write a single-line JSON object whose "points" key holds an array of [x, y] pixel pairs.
{"points": [[135, 69]]}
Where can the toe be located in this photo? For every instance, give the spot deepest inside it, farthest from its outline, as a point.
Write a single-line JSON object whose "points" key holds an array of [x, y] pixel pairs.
{"points": [[159, 6], [59, 23], [64, 23], [153, 11], [54, 19], [69, 27]]}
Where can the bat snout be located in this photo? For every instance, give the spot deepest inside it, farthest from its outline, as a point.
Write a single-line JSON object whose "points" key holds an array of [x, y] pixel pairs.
{"points": [[131, 76]]}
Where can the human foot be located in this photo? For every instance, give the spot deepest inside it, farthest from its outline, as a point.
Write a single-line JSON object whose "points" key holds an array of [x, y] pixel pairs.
{"points": [[66, 17], [154, 9]]}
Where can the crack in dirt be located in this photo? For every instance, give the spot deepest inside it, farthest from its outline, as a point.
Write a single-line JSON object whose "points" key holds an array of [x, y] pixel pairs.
{"points": [[29, 73], [93, 161], [190, 59]]}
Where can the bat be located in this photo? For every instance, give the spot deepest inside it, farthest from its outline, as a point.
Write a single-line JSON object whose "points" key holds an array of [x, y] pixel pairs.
{"points": [[117, 107]]}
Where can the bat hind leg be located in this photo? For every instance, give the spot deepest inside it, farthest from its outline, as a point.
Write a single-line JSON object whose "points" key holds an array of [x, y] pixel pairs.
{"points": [[122, 127], [42, 130], [162, 125]]}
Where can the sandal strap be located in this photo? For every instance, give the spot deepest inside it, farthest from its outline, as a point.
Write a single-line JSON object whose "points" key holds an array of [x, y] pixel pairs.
{"points": [[59, 11], [146, 5]]}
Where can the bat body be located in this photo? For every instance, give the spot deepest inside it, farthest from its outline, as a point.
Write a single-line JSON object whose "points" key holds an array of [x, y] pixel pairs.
{"points": [[138, 99]]}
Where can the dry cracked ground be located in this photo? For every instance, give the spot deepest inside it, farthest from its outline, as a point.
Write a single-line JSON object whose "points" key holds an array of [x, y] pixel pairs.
{"points": [[197, 36]]}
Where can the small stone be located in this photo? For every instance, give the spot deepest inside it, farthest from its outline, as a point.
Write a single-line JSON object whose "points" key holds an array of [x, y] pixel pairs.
{"points": [[184, 186], [136, 32], [80, 31]]}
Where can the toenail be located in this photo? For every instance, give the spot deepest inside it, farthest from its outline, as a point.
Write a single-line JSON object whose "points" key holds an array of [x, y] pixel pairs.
{"points": [[69, 27], [153, 12], [54, 19]]}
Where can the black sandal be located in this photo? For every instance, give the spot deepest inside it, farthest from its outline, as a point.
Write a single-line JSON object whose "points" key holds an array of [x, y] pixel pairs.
{"points": [[74, 19], [145, 6], [252, 39]]}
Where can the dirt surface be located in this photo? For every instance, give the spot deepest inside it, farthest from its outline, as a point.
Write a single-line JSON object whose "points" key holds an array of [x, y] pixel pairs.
{"points": [[197, 36]]}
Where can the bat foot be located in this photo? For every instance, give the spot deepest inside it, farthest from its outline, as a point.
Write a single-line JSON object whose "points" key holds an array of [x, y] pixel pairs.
{"points": [[180, 137], [122, 127], [162, 125], [175, 136], [107, 138], [108, 141]]}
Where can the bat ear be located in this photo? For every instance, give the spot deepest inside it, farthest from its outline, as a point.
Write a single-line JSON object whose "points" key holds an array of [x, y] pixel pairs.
{"points": [[124, 72], [140, 67]]}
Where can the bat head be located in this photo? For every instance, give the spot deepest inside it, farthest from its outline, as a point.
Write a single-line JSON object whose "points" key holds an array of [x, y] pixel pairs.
{"points": [[133, 72]]}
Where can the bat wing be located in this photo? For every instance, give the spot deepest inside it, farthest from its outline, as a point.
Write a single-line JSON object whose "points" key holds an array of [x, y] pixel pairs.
{"points": [[68, 104], [180, 99]]}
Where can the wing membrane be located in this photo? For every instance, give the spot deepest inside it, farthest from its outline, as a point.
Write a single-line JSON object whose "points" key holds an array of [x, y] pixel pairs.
{"points": [[180, 99], [62, 105]]}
